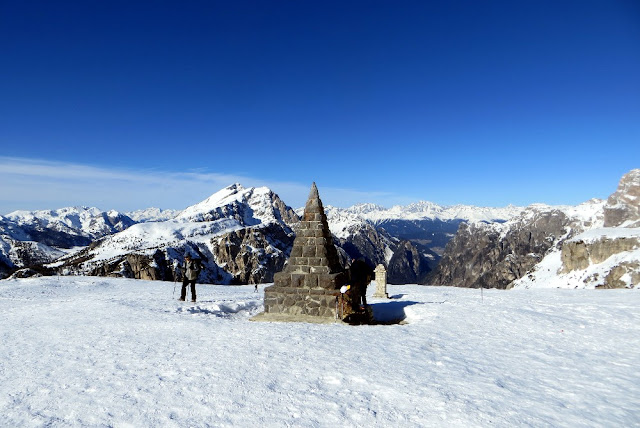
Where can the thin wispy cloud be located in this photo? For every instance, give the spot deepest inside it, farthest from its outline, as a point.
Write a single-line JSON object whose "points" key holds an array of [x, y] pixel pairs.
{"points": [[30, 184]]}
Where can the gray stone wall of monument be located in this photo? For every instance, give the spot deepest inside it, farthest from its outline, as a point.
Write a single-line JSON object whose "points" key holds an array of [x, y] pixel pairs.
{"points": [[308, 285]]}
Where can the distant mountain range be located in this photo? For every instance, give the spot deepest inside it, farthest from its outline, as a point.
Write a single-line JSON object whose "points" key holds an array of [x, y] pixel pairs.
{"points": [[244, 235], [147, 243]]}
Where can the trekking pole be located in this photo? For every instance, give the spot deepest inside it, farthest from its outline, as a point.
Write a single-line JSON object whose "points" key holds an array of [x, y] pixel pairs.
{"points": [[175, 279]]}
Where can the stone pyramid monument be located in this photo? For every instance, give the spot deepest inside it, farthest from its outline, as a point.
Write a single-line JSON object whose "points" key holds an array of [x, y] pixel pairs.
{"points": [[306, 289]]}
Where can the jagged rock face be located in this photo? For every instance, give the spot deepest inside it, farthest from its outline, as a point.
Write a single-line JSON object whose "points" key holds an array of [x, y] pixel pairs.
{"points": [[252, 256], [407, 265], [492, 256], [363, 240], [604, 257], [159, 266], [579, 254], [614, 279], [240, 235], [358, 237], [24, 254], [623, 206]]}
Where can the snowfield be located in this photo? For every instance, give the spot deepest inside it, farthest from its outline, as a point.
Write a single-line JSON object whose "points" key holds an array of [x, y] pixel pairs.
{"points": [[88, 351]]}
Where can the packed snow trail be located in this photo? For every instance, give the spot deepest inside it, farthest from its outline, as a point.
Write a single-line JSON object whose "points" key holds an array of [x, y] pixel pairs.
{"points": [[83, 351]]}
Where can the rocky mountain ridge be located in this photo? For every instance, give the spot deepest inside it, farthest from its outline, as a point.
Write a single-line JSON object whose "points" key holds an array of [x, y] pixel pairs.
{"points": [[244, 236], [566, 247], [240, 235], [34, 238]]}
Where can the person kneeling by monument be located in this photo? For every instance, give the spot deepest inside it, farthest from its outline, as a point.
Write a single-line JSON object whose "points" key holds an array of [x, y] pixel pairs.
{"points": [[355, 295]]}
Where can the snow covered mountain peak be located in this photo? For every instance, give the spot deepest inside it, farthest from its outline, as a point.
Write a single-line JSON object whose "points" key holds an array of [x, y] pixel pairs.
{"points": [[365, 208], [249, 206], [84, 221], [425, 210], [153, 214]]}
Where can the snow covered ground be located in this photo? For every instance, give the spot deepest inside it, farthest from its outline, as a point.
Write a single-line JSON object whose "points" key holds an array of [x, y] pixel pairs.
{"points": [[85, 351]]}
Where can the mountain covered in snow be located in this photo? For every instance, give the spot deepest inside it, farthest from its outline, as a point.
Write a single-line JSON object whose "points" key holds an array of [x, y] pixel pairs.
{"points": [[604, 255], [414, 236], [425, 210], [551, 246], [33, 238], [68, 227], [242, 235], [428, 226], [152, 214]]}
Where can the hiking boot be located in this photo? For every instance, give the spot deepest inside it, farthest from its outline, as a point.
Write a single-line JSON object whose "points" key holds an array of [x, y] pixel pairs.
{"points": [[181, 299], [193, 301]]}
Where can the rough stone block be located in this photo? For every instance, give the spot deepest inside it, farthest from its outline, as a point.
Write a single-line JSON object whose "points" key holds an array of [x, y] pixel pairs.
{"points": [[301, 269], [297, 280], [309, 251], [319, 269], [321, 252], [301, 261], [280, 279], [311, 281], [314, 261], [327, 281], [296, 252]]}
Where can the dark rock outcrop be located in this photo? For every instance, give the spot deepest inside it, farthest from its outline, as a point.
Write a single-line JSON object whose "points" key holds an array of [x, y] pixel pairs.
{"points": [[363, 240], [253, 255], [407, 265], [623, 206], [493, 256]]}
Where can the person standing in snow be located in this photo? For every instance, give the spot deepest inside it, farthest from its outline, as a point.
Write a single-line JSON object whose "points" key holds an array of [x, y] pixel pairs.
{"points": [[191, 270]]}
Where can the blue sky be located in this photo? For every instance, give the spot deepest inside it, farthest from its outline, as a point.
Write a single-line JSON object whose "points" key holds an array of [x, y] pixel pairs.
{"points": [[126, 105]]}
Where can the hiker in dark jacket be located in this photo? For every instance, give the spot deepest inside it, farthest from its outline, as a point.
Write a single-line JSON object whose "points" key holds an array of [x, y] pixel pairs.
{"points": [[191, 270], [360, 274]]}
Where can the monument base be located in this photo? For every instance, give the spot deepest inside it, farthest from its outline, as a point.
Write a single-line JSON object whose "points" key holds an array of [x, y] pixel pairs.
{"points": [[279, 317], [296, 301]]}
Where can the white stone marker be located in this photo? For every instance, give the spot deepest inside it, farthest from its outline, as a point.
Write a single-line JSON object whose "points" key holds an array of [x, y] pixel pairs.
{"points": [[381, 282]]}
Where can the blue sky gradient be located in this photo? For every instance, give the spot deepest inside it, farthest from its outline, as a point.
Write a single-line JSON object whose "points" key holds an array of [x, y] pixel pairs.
{"points": [[477, 102]]}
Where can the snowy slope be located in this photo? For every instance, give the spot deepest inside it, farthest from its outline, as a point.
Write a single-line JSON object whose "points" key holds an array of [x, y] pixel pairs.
{"points": [[117, 352]]}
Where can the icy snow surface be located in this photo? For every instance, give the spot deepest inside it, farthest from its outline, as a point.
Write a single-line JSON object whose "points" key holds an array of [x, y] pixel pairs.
{"points": [[83, 351]]}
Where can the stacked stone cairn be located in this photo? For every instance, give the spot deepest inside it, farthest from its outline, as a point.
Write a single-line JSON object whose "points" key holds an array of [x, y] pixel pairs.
{"points": [[308, 286]]}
